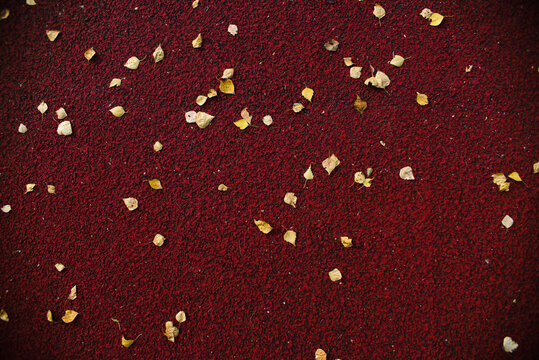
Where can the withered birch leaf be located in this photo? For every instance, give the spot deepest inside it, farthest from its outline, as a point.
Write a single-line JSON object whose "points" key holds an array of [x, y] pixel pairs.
{"points": [[359, 177], [69, 316], [406, 173], [61, 113], [60, 267], [435, 19], [245, 115], [49, 316], [171, 331], [117, 111], [267, 120], [507, 221], [51, 189], [155, 184], [190, 117], [320, 354], [201, 100], [355, 72], [380, 80], [331, 45], [203, 119], [536, 168], [4, 316], [132, 63], [348, 61], [115, 82], [308, 175], [157, 146], [308, 93], [228, 73], [509, 345], [42, 107], [263, 226], [291, 199], [367, 183], [498, 178], [297, 107], [290, 236], [131, 203], [197, 42], [397, 61], [181, 317], [64, 128], [360, 105], [89, 54], [426, 13], [233, 29], [504, 186], [242, 124], [4, 14], [31, 2], [346, 241], [330, 163], [222, 187], [212, 93], [379, 11], [29, 188], [52, 34], [22, 128], [158, 54], [195, 4], [515, 176], [158, 240], [127, 343], [335, 275], [422, 99], [72, 293], [468, 68], [6, 208], [226, 87]]}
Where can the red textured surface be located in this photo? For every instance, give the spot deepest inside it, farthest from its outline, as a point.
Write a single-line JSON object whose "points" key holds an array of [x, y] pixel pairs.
{"points": [[433, 274]]}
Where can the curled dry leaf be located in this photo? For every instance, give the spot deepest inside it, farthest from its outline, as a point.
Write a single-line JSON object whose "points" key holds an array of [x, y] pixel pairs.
{"points": [[158, 54], [360, 105], [29, 188], [4, 316], [406, 173], [89, 54], [367, 183], [226, 86], [115, 82], [331, 45], [4, 14], [212, 93], [132, 63], [297, 107], [267, 120], [222, 187], [194, 5], [515, 176], [307, 93], [426, 13], [197, 42], [348, 61], [421, 99], [64, 128], [359, 177], [436, 19], [308, 175], [127, 343], [155, 184], [330, 163], [203, 119], [201, 100], [171, 331], [290, 236], [468, 68], [61, 113], [355, 72], [509, 345], [397, 61], [181, 317], [291, 199], [320, 354], [30, 2], [49, 316], [500, 180], [228, 73], [52, 34], [6, 208], [369, 171], [263, 226], [507, 221], [346, 241], [60, 267], [22, 128], [158, 240], [117, 111], [42, 107], [131, 203], [69, 316], [190, 117], [73, 293], [157, 146], [536, 167], [335, 275], [233, 29], [51, 189], [379, 11], [380, 80]]}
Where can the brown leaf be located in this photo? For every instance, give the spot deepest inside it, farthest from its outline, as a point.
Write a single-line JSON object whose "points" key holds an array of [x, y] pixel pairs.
{"points": [[360, 105]]}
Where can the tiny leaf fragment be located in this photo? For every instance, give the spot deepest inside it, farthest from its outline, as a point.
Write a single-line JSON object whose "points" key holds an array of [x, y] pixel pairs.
{"points": [[73, 293], [29, 188], [158, 240], [397, 61], [197, 42], [181, 317], [127, 343], [267, 120], [308, 174], [61, 113], [335, 275], [115, 82], [228, 73], [3, 315], [406, 173], [297, 107], [49, 316], [421, 99], [233, 29], [507, 221], [291, 199], [89, 54], [42, 107], [509, 345], [515, 176], [346, 241], [222, 187], [60, 267], [355, 72], [360, 105], [331, 45]]}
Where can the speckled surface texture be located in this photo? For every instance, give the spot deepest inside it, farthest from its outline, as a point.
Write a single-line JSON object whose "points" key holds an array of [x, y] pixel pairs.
{"points": [[433, 273]]}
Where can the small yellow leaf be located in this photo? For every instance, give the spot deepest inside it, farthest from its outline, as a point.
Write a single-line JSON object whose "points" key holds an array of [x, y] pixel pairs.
{"points": [[171, 331], [195, 4], [52, 34], [498, 178], [346, 241], [355, 72], [330, 163], [22, 128], [181, 317], [60, 267], [308, 175], [320, 355], [132, 63], [367, 183], [242, 124], [397, 61], [291, 199], [308, 93], [49, 316], [115, 82], [515, 176], [89, 54], [297, 107], [203, 119], [73, 293], [155, 184], [42, 107], [212, 93], [117, 111], [422, 99], [222, 187], [228, 73], [4, 316], [360, 105], [157, 146], [331, 45], [379, 11], [226, 86], [435, 19], [31, 2], [127, 343], [536, 168], [158, 240], [29, 188], [51, 189], [468, 68], [131, 203], [504, 186], [4, 14], [197, 42], [290, 236], [348, 61], [69, 316], [158, 54], [263, 226], [201, 100], [61, 113], [335, 275]]}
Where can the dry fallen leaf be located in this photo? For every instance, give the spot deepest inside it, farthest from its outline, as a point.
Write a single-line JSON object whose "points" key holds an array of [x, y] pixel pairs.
{"points": [[307, 93], [181, 317], [115, 82], [507, 221], [406, 173], [29, 188], [267, 120], [69, 316], [498, 178], [117, 111], [421, 99], [263, 226], [31, 2], [222, 187], [509, 345], [291, 199], [435, 19], [245, 115], [190, 117], [308, 175], [22, 128], [242, 124], [504, 186], [61, 113], [360, 105], [127, 343], [355, 72], [359, 177], [212, 93], [4, 316], [233, 29], [42, 107], [72, 293], [330, 163], [348, 61], [203, 119], [379, 11], [171, 331], [64, 128], [290, 236], [536, 168], [60, 267], [197, 42], [468, 68], [335, 275], [6, 208], [201, 100], [297, 107], [4, 14], [228, 73], [132, 63], [158, 240], [157, 146], [346, 241], [130, 203], [397, 61], [226, 87], [320, 355], [49, 316], [51, 189], [195, 4], [89, 54], [155, 184], [426, 13], [515, 176], [52, 34], [380, 80], [367, 183], [158, 54], [331, 45]]}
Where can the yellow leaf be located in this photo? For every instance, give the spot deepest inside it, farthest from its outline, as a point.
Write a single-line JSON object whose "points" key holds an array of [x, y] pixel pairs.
{"points": [[212, 93], [422, 99], [201, 100], [52, 34], [379, 11], [346, 241], [290, 236], [4, 14], [297, 107], [330, 163], [127, 343], [155, 184], [181, 317], [158, 54], [242, 124], [49, 316], [171, 331], [498, 178], [51, 189], [157, 146], [435, 19], [348, 61], [31, 2], [29, 188], [359, 177], [115, 82], [132, 63], [158, 240], [197, 42], [131, 203], [291, 199], [226, 86], [117, 111], [308, 175], [60, 267], [515, 176], [89, 54], [195, 4], [335, 275], [263, 226], [308, 93], [367, 183], [504, 186], [397, 61], [4, 316], [69, 316], [222, 187], [536, 168]]}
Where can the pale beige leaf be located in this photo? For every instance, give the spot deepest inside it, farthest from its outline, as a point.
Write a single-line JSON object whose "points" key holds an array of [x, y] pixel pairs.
{"points": [[61, 113], [51, 189], [297, 107], [52, 34], [64, 128], [132, 63], [190, 117], [397, 61], [290, 236], [406, 173], [355, 72], [469, 68], [245, 115], [115, 82], [263, 226], [155, 184], [201, 100], [157, 146], [117, 111], [203, 119], [507, 221], [291, 199], [383, 79], [72, 293], [379, 11], [89, 54], [335, 275], [369, 171], [29, 188], [228, 73], [421, 99], [181, 317], [212, 93], [331, 45], [60, 267], [222, 187], [42, 107], [69, 316], [359, 177], [509, 345], [426, 13], [504, 186], [158, 240], [346, 241], [348, 61], [197, 42], [131, 203], [158, 54], [267, 120], [233, 29], [6, 208], [536, 167], [31, 2], [330, 163], [308, 175], [22, 128]]}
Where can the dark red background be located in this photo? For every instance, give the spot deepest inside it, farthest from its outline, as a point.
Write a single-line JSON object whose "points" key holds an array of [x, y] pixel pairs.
{"points": [[433, 274]]}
